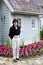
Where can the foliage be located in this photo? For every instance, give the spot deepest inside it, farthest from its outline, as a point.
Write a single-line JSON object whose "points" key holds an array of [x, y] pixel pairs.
{"points": [[8, 43], [25, 51], [32, 49], [22, 42], [41, 34]]}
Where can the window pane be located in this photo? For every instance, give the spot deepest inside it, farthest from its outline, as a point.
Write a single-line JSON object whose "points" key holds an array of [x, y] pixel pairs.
{"points": [[19, 21], [33, 23]]}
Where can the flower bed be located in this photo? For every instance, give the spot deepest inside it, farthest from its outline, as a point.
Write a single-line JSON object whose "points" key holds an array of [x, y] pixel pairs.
{"points": [[25, 51]]}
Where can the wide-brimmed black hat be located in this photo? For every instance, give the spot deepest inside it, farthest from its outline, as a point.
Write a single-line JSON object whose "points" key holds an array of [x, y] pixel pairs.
{"points": [[15, 20]]}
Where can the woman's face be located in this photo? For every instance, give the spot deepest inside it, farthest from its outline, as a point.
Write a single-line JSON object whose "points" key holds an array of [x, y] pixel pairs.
{"points": [[15, 23]]}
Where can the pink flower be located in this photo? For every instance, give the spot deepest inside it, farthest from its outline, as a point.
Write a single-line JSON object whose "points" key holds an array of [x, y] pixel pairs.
{"points": [[30, 52], [26, 52], [22, 49], [38, 45]]}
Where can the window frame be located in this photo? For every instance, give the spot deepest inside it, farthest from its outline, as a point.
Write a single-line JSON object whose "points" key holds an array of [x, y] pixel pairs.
{"points": [[19, 21], [33, 23]]}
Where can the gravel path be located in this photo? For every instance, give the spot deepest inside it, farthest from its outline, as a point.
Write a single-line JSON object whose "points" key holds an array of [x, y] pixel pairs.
{"points": [[9, 61]]}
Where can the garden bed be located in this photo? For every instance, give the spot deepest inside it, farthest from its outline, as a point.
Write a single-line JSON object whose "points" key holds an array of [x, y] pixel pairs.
{"points": [[29, 50]]}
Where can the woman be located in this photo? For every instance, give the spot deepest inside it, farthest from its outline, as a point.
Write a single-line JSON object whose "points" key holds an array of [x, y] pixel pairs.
{"points": [[14, 34]]}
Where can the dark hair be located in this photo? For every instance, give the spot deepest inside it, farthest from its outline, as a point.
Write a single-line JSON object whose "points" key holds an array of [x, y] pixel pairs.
{"points": [[15, 20]]}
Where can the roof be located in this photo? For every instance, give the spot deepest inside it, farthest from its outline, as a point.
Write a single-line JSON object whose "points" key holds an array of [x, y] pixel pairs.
{"points": [[38, 2], [24, 6]]}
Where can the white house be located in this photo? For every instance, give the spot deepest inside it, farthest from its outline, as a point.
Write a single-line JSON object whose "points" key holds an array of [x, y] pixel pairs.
{"points": [[28, 14]]}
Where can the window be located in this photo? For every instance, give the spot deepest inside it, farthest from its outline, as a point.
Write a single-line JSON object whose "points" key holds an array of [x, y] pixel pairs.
{"points": [[33, 23], [19, 21]]}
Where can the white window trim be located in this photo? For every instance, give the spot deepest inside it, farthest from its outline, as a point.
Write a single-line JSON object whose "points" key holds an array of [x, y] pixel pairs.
{"points": [[34, 24]]}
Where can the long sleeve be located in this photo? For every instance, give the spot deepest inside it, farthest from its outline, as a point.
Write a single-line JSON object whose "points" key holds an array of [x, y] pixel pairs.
{"points": [[10, 33], [13, 31]]}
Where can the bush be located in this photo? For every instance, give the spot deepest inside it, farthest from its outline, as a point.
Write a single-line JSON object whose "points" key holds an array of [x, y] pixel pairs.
{"points": [[8, 43], [25, 51], [41, 35], [32, 49]]}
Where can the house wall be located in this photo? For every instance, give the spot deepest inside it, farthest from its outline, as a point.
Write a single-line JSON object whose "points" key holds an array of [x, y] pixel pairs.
{"points": [[41, 20], [4, 22], [28, 34], [0, 20], [0, 8]]}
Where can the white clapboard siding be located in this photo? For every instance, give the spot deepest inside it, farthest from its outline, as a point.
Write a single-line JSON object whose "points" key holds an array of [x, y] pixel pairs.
{"points": [[4, 25], [41, 21], [0, 22], [28, 34]]}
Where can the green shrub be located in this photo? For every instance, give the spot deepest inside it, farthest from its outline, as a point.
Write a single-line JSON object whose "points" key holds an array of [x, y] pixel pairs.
{"points": [[8, 43], [41, 34], [35, 41], [22, 42]]}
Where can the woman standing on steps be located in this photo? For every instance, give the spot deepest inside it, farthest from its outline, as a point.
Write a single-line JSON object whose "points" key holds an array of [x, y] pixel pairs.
{"points": [[14, 34]]}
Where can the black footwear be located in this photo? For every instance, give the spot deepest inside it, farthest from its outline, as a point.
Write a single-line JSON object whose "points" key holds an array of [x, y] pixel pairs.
{"points": [[15, 60], [18, 59]]}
